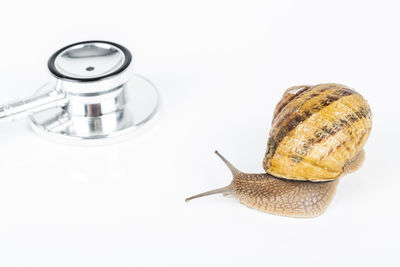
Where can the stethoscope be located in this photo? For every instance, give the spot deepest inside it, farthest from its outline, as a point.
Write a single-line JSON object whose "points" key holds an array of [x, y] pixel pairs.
{"points": [[94, 98]]}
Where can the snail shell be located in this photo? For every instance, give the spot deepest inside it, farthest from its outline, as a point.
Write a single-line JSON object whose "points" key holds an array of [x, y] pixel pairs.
{"points": [[315, 131]]}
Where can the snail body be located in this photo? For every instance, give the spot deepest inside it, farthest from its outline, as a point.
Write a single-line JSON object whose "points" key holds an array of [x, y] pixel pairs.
{"points": [[317, 136]]}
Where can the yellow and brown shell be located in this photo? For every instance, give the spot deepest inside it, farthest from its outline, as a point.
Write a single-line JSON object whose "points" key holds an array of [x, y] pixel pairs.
{"points": [[315, 131]]}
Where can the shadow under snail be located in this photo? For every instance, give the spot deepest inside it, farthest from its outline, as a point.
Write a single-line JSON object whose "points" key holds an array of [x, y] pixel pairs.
{"points": [[317, 136]]}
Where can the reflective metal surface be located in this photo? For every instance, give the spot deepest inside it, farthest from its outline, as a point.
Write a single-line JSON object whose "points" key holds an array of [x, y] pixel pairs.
{"points": [[92, 60], [24, 107], [99, 117], [95, 95]]}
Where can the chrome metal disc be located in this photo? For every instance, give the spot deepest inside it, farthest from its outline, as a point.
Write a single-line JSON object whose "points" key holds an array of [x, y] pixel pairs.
{"points": [[89, 61], [141, 102]]}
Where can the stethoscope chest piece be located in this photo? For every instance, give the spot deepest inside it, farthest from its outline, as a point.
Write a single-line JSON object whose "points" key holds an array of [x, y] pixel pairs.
{"points": [[94, 98]]}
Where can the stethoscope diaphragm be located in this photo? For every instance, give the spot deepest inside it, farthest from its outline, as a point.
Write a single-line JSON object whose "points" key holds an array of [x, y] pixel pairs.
{"points": [[95, 96]]}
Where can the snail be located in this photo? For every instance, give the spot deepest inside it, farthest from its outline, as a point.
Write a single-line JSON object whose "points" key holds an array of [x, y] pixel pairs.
{"points": [[317, 136]]}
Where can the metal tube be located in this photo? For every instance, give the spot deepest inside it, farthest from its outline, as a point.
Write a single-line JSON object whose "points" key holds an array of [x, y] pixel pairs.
{"points": [[25, 107]]}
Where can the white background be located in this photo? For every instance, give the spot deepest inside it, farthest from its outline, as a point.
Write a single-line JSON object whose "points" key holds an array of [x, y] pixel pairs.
{"points": [[221, 66]]}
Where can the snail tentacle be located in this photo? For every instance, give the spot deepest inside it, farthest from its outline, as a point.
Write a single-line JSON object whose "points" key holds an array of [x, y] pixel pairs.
{"points": [[226, 190]]}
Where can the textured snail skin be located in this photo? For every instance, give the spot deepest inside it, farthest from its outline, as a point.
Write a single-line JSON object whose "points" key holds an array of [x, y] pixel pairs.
{"points": [[283, 197], [318, 133], [288, 197]]}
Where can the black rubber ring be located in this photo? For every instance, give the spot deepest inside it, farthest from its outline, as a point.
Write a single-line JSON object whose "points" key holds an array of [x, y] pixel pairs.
{"points": [[52, 59]]}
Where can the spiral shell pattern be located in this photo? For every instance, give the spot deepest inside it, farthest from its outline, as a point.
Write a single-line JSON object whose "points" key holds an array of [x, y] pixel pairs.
{"points": [[315, 131]]}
